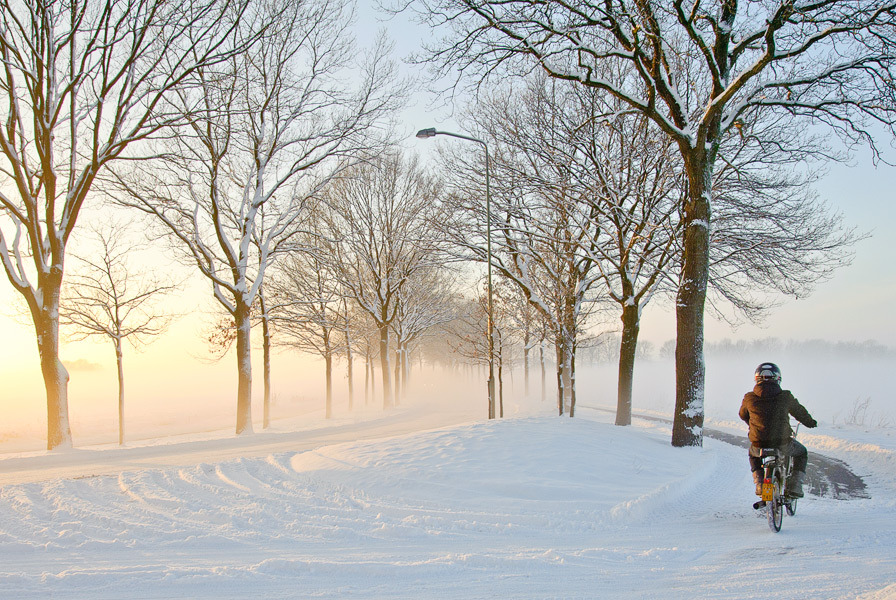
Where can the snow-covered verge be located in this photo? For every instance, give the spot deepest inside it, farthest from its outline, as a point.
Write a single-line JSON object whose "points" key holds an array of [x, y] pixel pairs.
{"points": [[526, 507]]}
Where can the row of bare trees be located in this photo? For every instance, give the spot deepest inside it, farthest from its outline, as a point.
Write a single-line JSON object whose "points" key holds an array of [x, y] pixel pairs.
{"points": [[219, 119], [588, 214], [364, 274], [254, 138], [709, 77], [83, 85], [370, 267]]}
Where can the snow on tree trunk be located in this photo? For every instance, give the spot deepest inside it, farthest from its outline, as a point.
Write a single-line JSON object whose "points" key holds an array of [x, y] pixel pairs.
{"points": [[690, 371], [46, 320], [565, 348], [244, 368], [566, 372], [627, 347]]}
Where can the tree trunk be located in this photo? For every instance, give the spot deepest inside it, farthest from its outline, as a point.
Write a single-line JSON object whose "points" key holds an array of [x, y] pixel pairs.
{"points": [[561, 392], [500, 386], [350, 368], [690, 371], [406, 366], [569, 331], [572, 381], [266, 350], [119, 361], [328, 360], [627, 348], [244, 368], [46, 323], [567, 381], [526, 362], [398, 387], [544, 374], [367, 367], [384, 366]]}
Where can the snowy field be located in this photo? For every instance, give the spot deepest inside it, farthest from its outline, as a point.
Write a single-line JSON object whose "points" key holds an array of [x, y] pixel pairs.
{"points": [[532, 506]]}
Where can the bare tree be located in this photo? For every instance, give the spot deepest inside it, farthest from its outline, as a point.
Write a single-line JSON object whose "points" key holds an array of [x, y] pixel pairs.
{"points": [[620, 180], [108, 298], [424, 302], [468, 334], [768, 234], [636, 204], [696, 70], [266, 350], [369, 341], [362, 337], [467, 331], [309, 315], [267, 131], [379, 232], [81, 83], [524, 319], [349, 348], [543, 223]]}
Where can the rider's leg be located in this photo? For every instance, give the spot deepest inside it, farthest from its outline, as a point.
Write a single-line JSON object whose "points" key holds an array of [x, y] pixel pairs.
{"points": [[756, 468], [800, 457], [795, 484]]}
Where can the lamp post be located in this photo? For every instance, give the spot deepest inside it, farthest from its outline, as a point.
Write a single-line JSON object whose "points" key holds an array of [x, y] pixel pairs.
{"points": [[431, 132]]}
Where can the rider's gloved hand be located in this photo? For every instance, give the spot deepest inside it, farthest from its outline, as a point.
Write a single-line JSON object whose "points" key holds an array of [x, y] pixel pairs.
{"points": [[812, 424]]}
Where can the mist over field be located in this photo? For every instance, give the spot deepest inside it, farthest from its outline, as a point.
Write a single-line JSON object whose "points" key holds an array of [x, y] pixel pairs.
{"points": [[838, 383]]}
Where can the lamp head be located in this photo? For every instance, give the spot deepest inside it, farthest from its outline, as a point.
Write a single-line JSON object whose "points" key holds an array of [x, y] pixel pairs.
{"points": [[426, 133]]}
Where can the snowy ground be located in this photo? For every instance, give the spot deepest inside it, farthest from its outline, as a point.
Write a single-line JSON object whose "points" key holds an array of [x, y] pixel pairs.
{"points": [[532, 506]]}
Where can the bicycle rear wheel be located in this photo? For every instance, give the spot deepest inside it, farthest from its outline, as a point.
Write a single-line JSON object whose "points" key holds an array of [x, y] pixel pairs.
{"points": [[775, 508]]}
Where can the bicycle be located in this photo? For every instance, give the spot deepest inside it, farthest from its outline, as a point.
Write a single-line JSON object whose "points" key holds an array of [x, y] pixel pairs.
{"points": [[777, 466]]}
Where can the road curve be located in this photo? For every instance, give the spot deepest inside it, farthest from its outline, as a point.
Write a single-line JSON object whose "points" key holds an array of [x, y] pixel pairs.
{"points": [[80, 463], [825, 477]]}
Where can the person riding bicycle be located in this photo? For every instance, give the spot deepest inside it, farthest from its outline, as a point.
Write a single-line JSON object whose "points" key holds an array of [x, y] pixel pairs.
{"points": [[767, 410]]}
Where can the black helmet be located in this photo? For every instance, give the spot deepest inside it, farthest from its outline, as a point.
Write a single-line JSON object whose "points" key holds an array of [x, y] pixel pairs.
{"points": [[768, 372]]}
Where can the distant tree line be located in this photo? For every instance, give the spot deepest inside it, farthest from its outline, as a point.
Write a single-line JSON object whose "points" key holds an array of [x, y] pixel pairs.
{"points": [[810, 348]]}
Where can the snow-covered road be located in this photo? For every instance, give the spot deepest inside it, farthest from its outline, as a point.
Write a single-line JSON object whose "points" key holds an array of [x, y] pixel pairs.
{"points": [[536, 507], [214, 446]]}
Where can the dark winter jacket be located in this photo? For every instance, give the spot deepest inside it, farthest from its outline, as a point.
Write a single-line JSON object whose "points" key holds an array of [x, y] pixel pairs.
{"points": [[767, 410]]}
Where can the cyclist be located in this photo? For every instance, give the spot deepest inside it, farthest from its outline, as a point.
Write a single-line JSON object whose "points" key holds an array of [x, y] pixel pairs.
{"points": [[767, 410]]}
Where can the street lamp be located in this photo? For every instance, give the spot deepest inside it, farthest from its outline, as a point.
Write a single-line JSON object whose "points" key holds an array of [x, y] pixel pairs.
{"points": [[431, 132]]}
